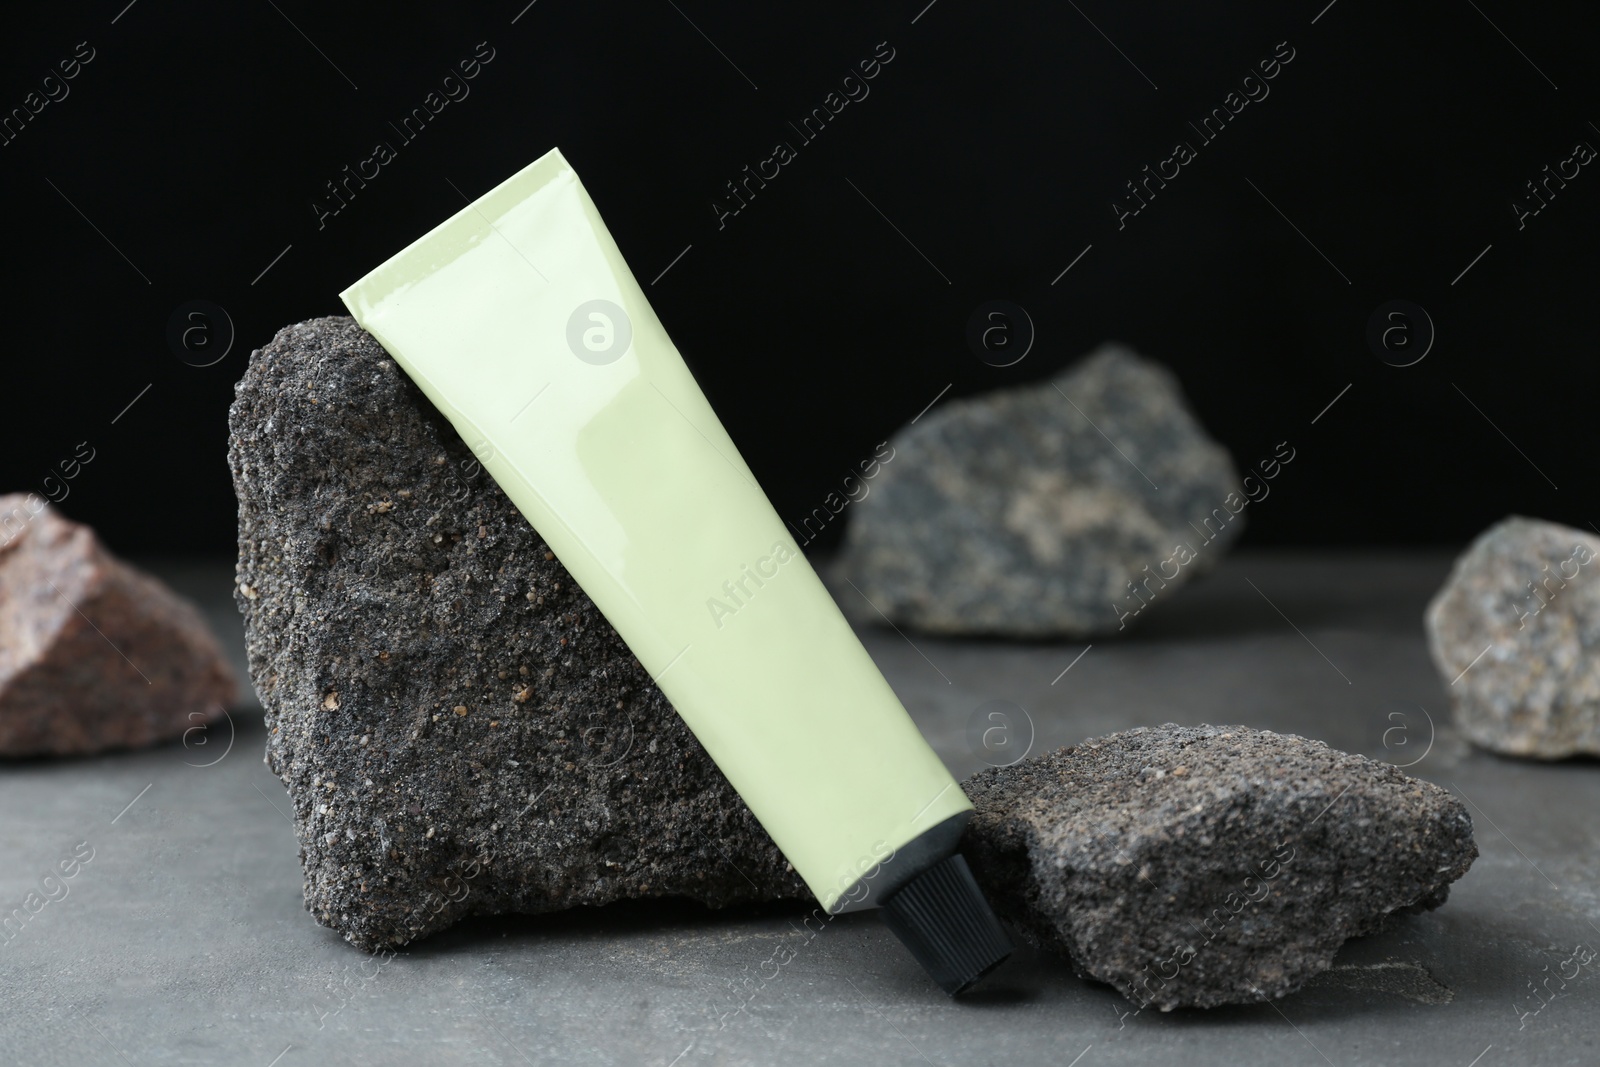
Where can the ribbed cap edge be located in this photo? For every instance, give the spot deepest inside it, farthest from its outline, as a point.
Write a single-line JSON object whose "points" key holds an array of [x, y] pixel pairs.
{"points": [[942, 917]]}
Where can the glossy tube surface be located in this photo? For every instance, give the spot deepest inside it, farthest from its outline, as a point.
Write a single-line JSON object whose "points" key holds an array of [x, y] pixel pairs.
{"points": [[520, 320]]}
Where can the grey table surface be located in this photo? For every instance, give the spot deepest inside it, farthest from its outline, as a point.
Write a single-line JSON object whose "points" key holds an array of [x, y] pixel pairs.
{"points": [[184, 940]]}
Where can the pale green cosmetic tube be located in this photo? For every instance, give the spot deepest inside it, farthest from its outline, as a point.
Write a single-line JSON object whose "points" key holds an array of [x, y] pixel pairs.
{"points": [[520, 320]]}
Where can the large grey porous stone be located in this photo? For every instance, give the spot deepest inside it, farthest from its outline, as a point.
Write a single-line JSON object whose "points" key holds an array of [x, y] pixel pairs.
{"points": [[1515, 633], [1060, 508], [460, 730], [1207, 865]]}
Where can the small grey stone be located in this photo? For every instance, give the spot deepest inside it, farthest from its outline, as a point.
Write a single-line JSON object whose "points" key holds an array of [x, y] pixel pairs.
{"points": [[460, 730], [1207, 865], [1515, 633], [1035, 511]]}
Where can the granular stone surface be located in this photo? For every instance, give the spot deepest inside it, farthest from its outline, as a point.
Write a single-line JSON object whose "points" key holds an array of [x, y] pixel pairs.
{"points": [[460, 730], [95, 654], [1515, 633], [1208, 865], [1062, 508]]}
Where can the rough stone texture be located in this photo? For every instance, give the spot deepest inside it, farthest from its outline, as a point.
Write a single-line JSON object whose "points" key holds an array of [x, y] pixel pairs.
{"points": [[1520, 615], [94, 654], [460, 730], [1198, 866], [1014, 514]]}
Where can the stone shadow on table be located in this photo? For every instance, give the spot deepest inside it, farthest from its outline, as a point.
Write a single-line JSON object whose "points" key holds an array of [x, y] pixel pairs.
{"points": [[1418, 963], [1477, 960], [734, 945], [240, 730], [1317, 591], [620, 919]]}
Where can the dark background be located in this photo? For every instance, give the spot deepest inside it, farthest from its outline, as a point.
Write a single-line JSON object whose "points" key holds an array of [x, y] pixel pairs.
{"points": [[1396, 140]]}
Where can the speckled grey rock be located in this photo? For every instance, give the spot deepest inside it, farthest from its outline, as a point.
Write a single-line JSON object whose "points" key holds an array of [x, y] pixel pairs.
{"points": [[460, 730], [1207, 865], [1515, 633], [1062, 508]]}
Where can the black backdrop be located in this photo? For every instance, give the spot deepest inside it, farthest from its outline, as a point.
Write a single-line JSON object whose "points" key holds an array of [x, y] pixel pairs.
{"points": [[183, 161]]}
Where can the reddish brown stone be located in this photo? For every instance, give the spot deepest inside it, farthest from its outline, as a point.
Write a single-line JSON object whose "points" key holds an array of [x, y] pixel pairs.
{"points": [[93, 653]]}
